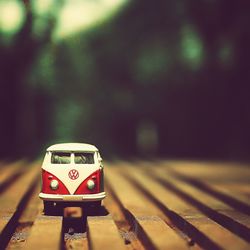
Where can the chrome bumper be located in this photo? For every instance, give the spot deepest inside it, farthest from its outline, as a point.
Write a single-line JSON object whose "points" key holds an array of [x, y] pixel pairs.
{"points": [[72, 197]]}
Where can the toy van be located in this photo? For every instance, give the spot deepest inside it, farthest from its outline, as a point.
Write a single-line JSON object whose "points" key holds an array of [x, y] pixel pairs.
{"points": [[72, 175]]}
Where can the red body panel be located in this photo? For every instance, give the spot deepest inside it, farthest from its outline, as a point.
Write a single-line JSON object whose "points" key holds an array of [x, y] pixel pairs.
{"points": [[82, 188], [46, 179]]}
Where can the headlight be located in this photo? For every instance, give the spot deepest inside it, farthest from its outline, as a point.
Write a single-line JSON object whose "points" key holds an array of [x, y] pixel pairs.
{"points": [[90, 184], [54, 184]]}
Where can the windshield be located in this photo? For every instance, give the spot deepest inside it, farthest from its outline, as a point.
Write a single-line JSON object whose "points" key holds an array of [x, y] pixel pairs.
{"points": [[65, 158], [60, 158], [84, 158]]}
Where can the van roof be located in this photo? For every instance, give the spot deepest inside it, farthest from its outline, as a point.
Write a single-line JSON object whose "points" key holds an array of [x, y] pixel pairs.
{"points": [[72, 147]]}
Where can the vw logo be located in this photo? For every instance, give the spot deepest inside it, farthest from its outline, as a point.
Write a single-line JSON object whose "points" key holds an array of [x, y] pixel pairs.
{"points": [[73, 174]]}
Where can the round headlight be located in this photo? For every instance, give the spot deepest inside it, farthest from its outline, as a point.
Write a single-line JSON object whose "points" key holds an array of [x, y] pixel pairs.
{"points": [[54, 184], [90, 184]]}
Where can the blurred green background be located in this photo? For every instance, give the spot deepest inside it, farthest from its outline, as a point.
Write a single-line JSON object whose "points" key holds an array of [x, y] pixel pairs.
{"points": [[165, 78]]}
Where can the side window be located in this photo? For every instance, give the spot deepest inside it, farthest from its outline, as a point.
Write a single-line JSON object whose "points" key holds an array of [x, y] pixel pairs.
{"points": [[46, 158], [99, 156], [60, 158], [84, 158]]}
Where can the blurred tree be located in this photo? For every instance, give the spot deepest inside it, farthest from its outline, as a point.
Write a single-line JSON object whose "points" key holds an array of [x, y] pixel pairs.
{"points": [[176, 64], [169, 73], [19, 125]]}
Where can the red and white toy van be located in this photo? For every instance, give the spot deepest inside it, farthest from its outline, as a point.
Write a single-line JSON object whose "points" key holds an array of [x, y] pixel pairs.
{"points": [[72, 174]]}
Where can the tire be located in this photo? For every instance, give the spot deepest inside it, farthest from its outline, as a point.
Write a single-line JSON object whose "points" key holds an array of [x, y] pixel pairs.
{"points": [[51, 209], [93, 207], [96, 203]]}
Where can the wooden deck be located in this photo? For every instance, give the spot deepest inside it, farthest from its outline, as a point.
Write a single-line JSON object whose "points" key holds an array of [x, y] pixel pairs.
{"points": [[149, 205]]}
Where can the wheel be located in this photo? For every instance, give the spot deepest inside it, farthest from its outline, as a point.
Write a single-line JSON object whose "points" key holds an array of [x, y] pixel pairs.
{"points": [[47, 207], [93, 207], [96, 203], [50, 208]]}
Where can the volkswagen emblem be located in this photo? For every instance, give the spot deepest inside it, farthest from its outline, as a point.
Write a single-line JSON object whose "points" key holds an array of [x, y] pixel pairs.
{"points": [[73, 174]]}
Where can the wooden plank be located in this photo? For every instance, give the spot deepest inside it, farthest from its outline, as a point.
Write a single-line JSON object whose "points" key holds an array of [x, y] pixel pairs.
{"points": [[159, 234], [217, 205], [210, 229], [10, 172], [25, 222], [228, 191], [127, 231], [214, 172], [103, 234], [236, 191], [74, 226], [223, 214], [224, 193], [46, 233], [13, 201], [150, 207]]}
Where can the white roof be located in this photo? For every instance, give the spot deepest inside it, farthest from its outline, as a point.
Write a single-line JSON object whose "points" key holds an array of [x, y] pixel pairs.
{"points": [[72, 147]]}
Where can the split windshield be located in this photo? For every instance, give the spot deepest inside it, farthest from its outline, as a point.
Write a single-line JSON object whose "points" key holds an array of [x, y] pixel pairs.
{"points": [[65, 158], [84, 158]]}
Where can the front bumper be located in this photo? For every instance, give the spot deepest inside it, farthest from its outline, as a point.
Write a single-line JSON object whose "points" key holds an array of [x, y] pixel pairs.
{"points": [[72, 197]]}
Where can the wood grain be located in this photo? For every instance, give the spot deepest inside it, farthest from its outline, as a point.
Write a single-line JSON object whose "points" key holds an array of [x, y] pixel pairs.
{"points": [[158, 204]]}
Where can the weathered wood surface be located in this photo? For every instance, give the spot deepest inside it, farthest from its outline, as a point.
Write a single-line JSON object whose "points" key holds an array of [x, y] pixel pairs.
{"points": [[149, 205]]}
